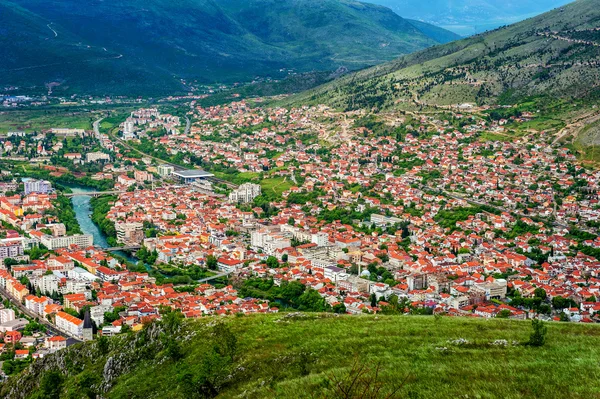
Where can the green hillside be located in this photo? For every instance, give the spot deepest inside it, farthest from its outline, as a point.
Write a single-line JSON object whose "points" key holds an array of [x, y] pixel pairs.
{"points": [[157, 46], [317, 356], [556, 54]]}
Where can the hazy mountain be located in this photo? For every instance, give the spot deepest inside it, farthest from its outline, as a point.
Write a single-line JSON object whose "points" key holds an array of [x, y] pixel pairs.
{"points": [[556, 54], [148, 46], [468, 17]]}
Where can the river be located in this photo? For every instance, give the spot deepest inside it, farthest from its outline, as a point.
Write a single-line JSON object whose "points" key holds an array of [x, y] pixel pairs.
{"points": [[83, 212]]}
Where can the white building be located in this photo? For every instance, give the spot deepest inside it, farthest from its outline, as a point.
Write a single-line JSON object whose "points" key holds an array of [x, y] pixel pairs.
{"points": [[129, 232], [81, 240], [320, 238], [6, 315], [36, 186], [165, 170], [245, 193], [96, 156], [70, 324]]}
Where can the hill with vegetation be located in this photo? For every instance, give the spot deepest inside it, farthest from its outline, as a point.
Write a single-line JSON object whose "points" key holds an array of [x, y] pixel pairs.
{"points": [[163, 46], [322, 355], [556, 55]]}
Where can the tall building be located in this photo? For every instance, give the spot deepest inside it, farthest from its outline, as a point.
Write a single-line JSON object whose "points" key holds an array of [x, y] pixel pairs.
{"points": [[11, 249], [37, 186], [245, 193], [165, 170]]}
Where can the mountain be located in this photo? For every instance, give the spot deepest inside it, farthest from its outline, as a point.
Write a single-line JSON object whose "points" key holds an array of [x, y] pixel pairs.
{"points": [[299, 355], [468, 17], [438, 34], [156, 46], [556, 54]]}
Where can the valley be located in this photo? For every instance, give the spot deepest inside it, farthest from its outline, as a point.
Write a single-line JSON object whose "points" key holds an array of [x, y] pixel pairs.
{"points": [[315, 200]]}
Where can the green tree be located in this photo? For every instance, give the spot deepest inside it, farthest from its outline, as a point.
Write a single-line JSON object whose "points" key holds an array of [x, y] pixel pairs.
{"points": [[538, 335], [540, 293], [211, 262], [51, 385], [272, 262]]}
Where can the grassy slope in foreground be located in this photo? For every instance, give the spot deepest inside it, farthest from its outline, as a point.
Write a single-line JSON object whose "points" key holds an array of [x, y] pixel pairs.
{"points": [[287, 357]]}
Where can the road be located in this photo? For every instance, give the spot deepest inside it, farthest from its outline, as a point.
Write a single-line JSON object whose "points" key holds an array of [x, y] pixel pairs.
{"points": [[51, 327]]}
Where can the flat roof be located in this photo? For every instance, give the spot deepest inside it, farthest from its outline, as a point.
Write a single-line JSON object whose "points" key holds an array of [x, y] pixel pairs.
{"points": [[192, 173]]}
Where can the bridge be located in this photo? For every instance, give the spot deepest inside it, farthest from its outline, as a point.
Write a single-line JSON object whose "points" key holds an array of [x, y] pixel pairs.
{"points": [[93, 193], [123, 248], [216, 276]]}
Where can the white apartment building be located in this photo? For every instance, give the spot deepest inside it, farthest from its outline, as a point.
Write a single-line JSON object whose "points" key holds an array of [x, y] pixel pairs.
{"points": [[37, 304], [129, 232], [47, 284], [245, 193], [81, 240], [320, 238], [165, 170], [70, 324], [269, 241], [96, 156], [6, 315]]}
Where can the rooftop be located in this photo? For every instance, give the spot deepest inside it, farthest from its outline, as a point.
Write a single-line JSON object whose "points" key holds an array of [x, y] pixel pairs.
{"points": [[198, 173]]}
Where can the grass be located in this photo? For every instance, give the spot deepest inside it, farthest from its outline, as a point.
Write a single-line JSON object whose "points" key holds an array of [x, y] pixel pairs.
{"points": [[32, 120], [297, 357], [275, 185]]}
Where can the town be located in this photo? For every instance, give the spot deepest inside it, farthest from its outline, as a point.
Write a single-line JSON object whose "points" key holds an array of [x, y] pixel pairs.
{"points": [[261, 210]]}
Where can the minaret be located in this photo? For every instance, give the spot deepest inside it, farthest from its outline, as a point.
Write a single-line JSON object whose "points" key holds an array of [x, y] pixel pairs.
{"points": [[88, 331]]}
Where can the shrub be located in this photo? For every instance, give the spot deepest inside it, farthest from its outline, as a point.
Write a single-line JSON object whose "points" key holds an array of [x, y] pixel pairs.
{"points": [[538, 335]]}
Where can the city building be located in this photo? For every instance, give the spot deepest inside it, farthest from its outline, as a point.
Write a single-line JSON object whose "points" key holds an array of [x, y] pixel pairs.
{"points": [[96, 156], [129, 232], [11, 249], [245, 193], [165, 170], [69, 324], [190, 176], [81, 240], [36, 186]]}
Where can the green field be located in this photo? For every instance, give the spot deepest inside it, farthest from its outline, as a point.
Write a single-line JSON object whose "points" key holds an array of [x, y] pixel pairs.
{"points": [[302, 356], [275, 186], [38, 120]]}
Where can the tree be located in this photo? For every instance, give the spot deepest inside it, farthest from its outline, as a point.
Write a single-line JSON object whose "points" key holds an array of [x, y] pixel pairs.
{"points": [[503, 314], [373, 300], [103, 345], [312, 301], [272, 262], [211, 262], [538, 335], [339, 308], [226, 341], [540, 293], [51, 385]]}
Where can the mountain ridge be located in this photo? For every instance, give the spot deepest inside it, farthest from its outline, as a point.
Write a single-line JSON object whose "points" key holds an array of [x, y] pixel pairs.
{"points": [[527, 58], [161, 47]]}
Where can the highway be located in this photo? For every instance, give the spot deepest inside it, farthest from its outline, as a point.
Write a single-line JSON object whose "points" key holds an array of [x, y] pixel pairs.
{"points": [[51, 327]]}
